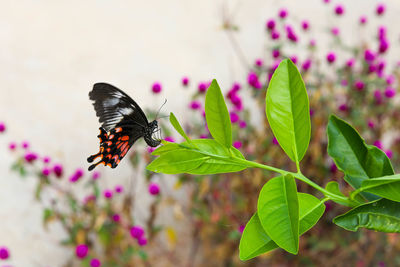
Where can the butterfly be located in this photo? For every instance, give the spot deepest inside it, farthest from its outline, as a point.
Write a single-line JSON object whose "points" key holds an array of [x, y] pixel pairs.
{"points": [[123, 122]]}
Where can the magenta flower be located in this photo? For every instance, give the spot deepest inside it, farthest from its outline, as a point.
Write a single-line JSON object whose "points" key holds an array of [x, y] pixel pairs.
{"points": [[169, 139], [390, 92], [154, 189], [237, 144], [203, 136], [58, 170], [311, 112], [359, 85], [389, 153], [136, 231], [234, 116], [305, 25], [252, 79], [350, 62], [116, 217], [331, 57], [390, 79], [369, 55], [81, 251], [290, 34], [270, 24], [275, 141], [259, 62], [46, 160], [242, 124], [363, 20], [335, 31], [293, 59], [339, 10], [76, 176], [46, 171], [275, 53], [2, 127], [107, 194], [283, 13], [30, 157], [343, 107], [380, 9], [119, 189], [142, 241], [202, 87], [236, 86], [156, 87], [371, 124], [378, 144], [195, 105], [275, 35], [383, 45], [96, 175], [25, 144], [327, 1], [12, 146], [313, 42], [306, 65], [185, 81], [4, 253], [241, 228], [95, 262]]}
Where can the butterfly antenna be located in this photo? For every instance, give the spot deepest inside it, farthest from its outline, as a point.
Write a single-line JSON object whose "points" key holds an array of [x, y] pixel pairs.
{"points": [[158, 112]]}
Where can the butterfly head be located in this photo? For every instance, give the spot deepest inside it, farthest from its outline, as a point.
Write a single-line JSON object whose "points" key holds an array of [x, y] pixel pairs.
{"points": [[150, 137]]}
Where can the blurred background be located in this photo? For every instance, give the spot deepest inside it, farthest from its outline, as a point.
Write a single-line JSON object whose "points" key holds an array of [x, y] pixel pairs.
{"points": [[54, 51]]}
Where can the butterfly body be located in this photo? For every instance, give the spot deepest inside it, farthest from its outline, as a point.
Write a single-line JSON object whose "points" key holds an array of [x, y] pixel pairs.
{"points": [[123, 122]]}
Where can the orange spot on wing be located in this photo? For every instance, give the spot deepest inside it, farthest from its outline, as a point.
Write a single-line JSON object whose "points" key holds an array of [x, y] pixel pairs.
{"points": [[118, 129], [108, 156], [108, 150], [125, 144], [109, 165], [109, 143], [115, 158], [125, 138], [111, 137]]}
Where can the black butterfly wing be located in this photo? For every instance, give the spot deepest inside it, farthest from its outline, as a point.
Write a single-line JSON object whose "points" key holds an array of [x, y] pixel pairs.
{"points": [[112, 106], [123, 122]]}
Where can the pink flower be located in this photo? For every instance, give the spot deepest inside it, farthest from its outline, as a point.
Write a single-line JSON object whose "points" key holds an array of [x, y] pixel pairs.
{"points": [[389, 153], [275, 53], [378, 144], [241, 228], [30, 157], [305, 25], [378, 96], [81, 251], [333, 168], [96, 175], [359, 85], [169, 139], [142, 241], [154, 189], [242, 124], [331, 57], [58, 170], [390, 92], [116, 217], [275, 141], [275, 35], [293, 59], [237, 144], [283, 13], [2, 127], [335, 31], [95, 262], [12, 146], [306, 65], [234, 116], [46, 160], [195, 105], [46, 171], [119, 189], [270, 25], [259, 62], [107, 194], [380, 9], [76, 176], [363, 20], [4, 253], [185, 81], [350, 62], [339, 10], [156, 87], [25, 144], [371, 124], [369, 55], [202, 87], [343, 107], [136, 231]]}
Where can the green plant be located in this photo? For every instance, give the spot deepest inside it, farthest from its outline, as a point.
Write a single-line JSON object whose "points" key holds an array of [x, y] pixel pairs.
{"points": [[283, 214]]}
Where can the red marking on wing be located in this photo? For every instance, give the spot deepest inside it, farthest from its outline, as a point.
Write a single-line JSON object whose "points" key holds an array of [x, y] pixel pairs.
{"points": [[125, 138]]}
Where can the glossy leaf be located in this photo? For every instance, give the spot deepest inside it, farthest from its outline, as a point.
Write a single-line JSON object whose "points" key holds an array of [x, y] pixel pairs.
{"points": [[210, 157], [333, 187], [278, 209], [288, 111], [177, 161], [381, 215], [178, 127], [386, 187], [217, 115], [357, 160], [255, 240]]}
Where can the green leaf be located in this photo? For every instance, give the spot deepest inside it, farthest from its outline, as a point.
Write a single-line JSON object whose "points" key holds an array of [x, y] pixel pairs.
{"points": [[178, 127], [255, 240], [288, 110], [278, 209], [381, 215], [177, 161], [333, 187], [217, 115], [357, 160], [208, 157], [386, 187]]}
